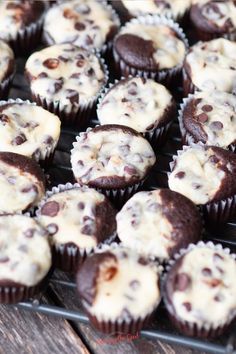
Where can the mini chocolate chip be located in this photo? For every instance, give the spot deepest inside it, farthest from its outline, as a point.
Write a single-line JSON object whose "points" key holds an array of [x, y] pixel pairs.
{"points": [[87, 230], [217, 257], [182, 281], [42, 75], [51, 63], [132, 92], [220, 270], [67, 13], [134, 284], [134, 222], [23, 248], [80, 63], [180, 174], [142, 261], [80, 163], [198, 100], [18, 140], [50, 209], [203, 117], [4, 119], [188, 306], [216, 125], [90, 72], [130, 170], [150, 127], [79, 26], [80, 56], [196, 185], [64, 59], [72, 95], [207, 272], [219, 298], [125, 149], [4, 259], [214, 282], [81, 205], [213, 159], [29, 233], [48, 140], [124, 100], [143, 80], [75, 76], [207, 108], [109, 273], [57, 85], [88, 40], [52, 229]]}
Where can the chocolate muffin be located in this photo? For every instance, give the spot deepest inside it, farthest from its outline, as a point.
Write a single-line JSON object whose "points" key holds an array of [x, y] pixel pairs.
{"points": [[78, 219], [89, 24], [21, 23], [6, 68], [66, 80], [206, 175], [151, 47], [129, 100], [126, 283], [22, 183], [207, 270], [25, 258], [210, 66], [28, 130], [154, 224], [113, 158], [214, 19], [210, 119]]}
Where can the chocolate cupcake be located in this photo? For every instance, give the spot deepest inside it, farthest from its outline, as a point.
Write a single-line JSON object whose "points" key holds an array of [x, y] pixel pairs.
{"points": [[126, 283], [88, 24], [22, 183], [78, 219], [206, 175], [25, 258], [209, 118], [207, 270], [28, 130], [151, 47], [210, 66], [154, 224], [214, 19], [112, 158], [21, 24], [6, 69], [129, 100], [66, 80]]}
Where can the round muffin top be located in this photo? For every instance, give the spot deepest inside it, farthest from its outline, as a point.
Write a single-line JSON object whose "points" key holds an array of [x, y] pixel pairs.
{"points": [[85, 23], [214, 16], [130, 100], [6, 60], [155, 225], [79, 216], [149, 46], [27, 129], [212, 65], [25, 255], [111, 156], [206, 271], [15, 15], [204, 174], [65, 73], [122, 280], [211, 118], [21, 183], [174, 8]]}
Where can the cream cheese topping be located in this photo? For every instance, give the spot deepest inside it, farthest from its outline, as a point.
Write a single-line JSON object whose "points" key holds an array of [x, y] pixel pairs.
{"points": [[27, 129], [111, 152], [65, 73], [136, 102], [85, 23], [142, 225], [169, 49], [6, 56], [69, 216], [210, 288], [195, 175], [25, 255], [124, 292], [213, 65]]}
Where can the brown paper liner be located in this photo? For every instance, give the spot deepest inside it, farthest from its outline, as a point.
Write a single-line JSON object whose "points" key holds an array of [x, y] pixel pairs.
{"points": [[188, 86]]}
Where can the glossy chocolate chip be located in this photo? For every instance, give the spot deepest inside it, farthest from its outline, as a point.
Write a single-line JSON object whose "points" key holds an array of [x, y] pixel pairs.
{"points": [[18, 140], [52, 229], [64, 59], [203, 117], [4, 119], [132, 92], [72, 95], [124, 100], [187, 306], [51, 63], [42, 75], [87, 230], [216, 125], [182, 281], [50, 209], [79, 26], [90, 72], [142, 261], [180, 174], [48, 140], [207, 108], [80, 63], [81, 206], [109, 273], [206, 272], [67, 13]]}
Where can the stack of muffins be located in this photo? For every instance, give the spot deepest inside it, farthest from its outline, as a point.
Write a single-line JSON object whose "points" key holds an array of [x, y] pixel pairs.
{"points": [[128, 245]]}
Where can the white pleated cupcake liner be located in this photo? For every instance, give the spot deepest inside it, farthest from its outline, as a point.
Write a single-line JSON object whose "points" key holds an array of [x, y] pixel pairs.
{"points": [[45, 155], [165, 76], [193, 328], [156, 137], [215, 212]]}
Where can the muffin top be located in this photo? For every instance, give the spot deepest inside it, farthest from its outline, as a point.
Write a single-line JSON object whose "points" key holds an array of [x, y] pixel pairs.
{"points": [[25, 255], [85, 23], [214, 16], [128, 101], [174, 8], [204, 174], [21, 183], [15, 15], [27, 129], [111, 156], [212, 65], [211, 118], [65, 73], [149, 46], [6, 59], [121, 279], [205, 271], [78, 216], [155, 225]]}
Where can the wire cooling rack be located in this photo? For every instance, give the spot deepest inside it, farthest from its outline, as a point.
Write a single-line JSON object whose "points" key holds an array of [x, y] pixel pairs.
{"points": [[60, 172]]}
